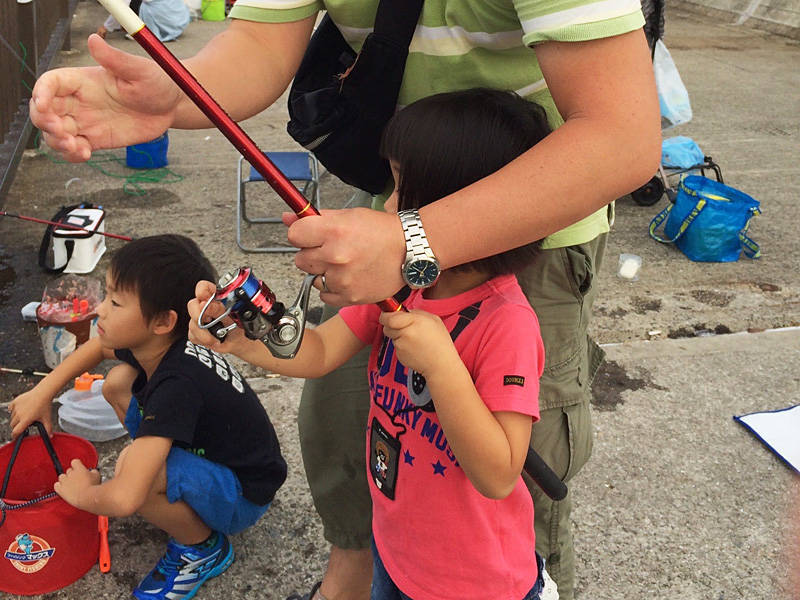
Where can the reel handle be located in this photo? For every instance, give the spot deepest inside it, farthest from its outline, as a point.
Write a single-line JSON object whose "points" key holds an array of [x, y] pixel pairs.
{"points": [[284, 340], [215, 326]]}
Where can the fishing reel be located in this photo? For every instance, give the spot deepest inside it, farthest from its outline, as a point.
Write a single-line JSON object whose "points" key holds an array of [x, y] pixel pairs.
{"points": [[253, 307]]}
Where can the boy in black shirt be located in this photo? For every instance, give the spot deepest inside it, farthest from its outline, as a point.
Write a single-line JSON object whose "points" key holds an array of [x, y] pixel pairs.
{"points": [[204, 461]]}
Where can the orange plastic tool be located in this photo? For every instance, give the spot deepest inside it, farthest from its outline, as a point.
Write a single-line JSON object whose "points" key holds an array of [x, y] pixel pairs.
{"points": [[105, 555]]}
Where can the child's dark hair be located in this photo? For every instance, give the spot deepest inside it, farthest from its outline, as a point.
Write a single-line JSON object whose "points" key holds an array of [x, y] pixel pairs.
{"points": [[448, 141], [162, 270]]}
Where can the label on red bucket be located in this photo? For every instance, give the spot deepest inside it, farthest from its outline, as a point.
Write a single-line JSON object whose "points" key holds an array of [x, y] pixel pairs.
{"points": [[29, 553]]}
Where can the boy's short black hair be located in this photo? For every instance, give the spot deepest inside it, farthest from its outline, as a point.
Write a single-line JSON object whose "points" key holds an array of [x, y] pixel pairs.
{"points": [[162, 270], [445, 142]]}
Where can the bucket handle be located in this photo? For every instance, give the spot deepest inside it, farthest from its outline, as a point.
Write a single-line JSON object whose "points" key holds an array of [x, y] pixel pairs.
{"points": [[47, 444]]}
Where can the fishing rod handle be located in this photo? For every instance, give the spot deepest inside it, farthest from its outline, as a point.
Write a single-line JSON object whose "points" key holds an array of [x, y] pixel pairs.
{"points": [[544, 476]]}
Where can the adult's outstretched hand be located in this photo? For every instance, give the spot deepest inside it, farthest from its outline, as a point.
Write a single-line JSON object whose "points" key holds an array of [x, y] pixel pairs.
{"points": [[125, 100]]}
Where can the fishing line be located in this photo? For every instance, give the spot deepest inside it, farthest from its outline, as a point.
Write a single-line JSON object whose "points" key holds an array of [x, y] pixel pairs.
{"points": [[21, 60]]}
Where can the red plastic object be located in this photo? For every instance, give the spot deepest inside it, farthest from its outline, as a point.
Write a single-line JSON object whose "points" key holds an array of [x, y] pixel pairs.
{"points": [[104, 560], [47, 545]]}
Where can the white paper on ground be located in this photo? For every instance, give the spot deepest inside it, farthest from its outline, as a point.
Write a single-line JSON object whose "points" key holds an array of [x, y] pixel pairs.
{"points": [[779, 430]]}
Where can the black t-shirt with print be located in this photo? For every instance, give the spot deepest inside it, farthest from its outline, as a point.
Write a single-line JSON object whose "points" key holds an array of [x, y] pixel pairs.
{"points": [[196, 398]]}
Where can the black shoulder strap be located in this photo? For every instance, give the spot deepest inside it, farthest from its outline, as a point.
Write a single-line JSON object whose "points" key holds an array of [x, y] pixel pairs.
{"points": [[397, 20], [465, 317]]}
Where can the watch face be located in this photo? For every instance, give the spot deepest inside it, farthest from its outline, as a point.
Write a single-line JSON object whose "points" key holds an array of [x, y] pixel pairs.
{"points": [[421, 273]]}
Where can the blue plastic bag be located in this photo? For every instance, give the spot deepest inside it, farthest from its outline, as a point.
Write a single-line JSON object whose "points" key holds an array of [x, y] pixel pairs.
{"points": [[708, 221], [672, 95], [681, 152]]}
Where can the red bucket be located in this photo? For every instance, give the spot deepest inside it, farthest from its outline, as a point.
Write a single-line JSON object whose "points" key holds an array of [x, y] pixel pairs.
{"points": [[45, 544]]}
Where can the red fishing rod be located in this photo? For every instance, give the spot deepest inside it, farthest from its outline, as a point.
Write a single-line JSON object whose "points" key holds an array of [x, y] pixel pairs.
{"points": [[63, 225], [302, 207]]}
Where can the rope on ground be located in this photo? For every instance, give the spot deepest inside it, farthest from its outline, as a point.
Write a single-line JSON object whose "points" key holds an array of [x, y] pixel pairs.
{"points": [[133, 177]]}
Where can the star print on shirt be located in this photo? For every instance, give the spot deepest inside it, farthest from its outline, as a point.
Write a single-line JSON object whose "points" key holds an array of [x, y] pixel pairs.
{"points": [[438, 468], [408, 458]]}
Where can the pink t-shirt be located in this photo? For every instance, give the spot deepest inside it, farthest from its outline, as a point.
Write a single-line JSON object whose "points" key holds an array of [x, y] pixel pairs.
{"points": [[437, 536]]}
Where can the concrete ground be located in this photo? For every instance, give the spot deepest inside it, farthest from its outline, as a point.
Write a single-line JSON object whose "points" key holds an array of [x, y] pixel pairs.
{"points": [[678, 500]]}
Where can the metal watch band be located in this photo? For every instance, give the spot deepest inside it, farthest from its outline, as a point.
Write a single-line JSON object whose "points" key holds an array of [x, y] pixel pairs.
{"points": [[416, 240]]}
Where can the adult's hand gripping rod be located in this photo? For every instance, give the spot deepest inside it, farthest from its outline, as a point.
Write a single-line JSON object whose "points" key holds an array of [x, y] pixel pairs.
{"points": [[131, 22]]}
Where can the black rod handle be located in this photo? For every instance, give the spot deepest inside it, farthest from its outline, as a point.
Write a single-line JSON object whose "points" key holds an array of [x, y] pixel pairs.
{"points": [[544, 476]]}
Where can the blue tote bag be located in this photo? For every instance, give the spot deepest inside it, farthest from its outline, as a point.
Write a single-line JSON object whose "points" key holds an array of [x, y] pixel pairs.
{"points": [[708, 221]]}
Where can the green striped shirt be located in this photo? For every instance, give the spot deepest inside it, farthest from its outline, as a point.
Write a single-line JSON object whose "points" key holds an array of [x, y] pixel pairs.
{"points": [[461, 44]]}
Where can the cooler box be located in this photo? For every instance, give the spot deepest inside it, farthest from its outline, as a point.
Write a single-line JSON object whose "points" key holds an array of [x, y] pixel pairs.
{"points": [[80, 250]]}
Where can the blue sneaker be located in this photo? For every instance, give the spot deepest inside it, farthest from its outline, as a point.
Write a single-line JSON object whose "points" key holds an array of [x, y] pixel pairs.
{"points": [[183, 569]]}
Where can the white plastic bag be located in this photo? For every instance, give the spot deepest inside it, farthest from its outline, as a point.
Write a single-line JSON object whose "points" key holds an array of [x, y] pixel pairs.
{"points": [[672, 94]]}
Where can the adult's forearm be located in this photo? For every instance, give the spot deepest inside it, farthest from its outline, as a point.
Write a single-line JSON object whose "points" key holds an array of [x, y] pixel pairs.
{"points": [[609, 144], [578, 169], [245, 68]]}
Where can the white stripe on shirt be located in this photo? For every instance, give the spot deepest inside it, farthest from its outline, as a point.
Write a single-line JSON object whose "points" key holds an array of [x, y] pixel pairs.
{"points": [[581, 15]]}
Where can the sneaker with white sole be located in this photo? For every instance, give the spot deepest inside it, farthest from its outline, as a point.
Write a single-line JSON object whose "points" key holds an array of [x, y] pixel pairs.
{"points": [[183, 569]]}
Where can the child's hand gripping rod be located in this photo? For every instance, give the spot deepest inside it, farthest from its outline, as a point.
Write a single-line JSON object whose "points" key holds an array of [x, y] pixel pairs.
{"points": [[131, 22]]}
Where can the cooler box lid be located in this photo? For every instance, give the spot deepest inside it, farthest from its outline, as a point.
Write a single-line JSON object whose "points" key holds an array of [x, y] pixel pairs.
{"points": [[87, 218]]}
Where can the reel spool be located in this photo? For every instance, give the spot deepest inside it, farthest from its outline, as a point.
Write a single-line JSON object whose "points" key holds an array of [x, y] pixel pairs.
{"points": [[252, 306]]}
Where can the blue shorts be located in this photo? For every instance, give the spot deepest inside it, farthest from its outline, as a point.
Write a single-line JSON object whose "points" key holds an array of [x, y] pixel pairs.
{"points": [[211, 489]]}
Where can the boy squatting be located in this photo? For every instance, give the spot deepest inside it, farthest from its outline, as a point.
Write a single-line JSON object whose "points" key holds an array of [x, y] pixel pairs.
{"points": [[205, 461]]}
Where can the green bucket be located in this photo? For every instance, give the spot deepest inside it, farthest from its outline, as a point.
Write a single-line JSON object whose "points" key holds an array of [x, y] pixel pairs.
{"points": [[213, 10]]}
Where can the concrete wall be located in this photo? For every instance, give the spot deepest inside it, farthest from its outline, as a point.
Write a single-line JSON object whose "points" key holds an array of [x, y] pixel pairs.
{"points": [[777, 16]]}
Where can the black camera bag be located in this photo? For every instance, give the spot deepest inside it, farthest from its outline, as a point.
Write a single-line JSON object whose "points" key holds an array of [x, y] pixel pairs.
{"points": [[340, 101]]}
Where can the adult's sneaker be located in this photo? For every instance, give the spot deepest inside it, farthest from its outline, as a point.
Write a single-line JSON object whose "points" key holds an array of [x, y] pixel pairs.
{"points": [[183, 569]]}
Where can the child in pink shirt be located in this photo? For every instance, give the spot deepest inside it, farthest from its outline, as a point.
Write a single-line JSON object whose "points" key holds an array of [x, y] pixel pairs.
{"points": [[453, 382]]}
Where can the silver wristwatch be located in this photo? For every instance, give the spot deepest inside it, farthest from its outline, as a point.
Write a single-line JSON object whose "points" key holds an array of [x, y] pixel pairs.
{"points": [[420, 268]]}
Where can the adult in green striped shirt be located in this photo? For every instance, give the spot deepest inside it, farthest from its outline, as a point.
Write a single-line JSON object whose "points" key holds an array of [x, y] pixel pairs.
{"points": [[585, 61]]}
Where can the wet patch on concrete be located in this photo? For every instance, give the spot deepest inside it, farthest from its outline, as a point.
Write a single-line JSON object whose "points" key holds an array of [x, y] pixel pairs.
{"points": [[612, 380], [132, 533], [127, 579], [712, 298], [616, 313], [8, 277], [642, 305], [698, 330]]}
